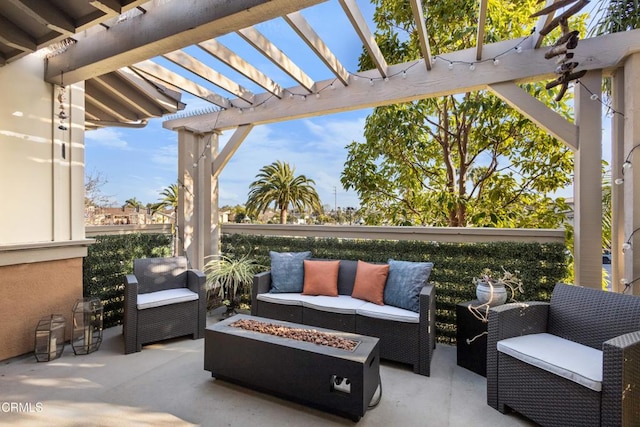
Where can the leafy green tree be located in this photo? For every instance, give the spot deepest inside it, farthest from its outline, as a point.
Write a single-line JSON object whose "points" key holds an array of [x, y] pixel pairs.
{"points": [[458, 160], [276, 183], [613, 16]]}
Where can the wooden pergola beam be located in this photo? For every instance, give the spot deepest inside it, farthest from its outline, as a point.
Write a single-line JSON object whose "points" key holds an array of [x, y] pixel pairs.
{"points": [[156, 71], [230, 58], [313, 40], [200, 69], [368, 40], [167, 27], [537, 112], [421, 28], [482, 20], [275, 55], [527, 66]]}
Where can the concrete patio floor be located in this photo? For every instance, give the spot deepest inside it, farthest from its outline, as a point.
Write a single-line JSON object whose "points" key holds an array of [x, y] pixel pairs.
{"points": [[166, 385]]}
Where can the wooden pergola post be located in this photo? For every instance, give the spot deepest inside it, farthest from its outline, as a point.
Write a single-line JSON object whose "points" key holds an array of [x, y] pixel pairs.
{"points": [[587, 185], [198, 196]]}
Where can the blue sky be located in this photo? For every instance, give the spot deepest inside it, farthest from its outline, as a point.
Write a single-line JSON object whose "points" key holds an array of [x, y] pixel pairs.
{"points": [[140, 163]]}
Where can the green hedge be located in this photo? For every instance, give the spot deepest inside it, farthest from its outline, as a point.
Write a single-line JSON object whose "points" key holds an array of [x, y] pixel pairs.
{"points": [[541, 265], [109, 259]]}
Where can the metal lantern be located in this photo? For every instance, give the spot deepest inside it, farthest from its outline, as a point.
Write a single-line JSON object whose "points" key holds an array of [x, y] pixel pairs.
{"points": [[87, 325], [49, 343]]}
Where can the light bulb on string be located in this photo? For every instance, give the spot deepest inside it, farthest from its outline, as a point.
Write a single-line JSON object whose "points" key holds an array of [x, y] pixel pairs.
{"points": [[472, 67], [370, 82], [626, 246], [450, 66], [619, 181], [496, 61], [627, 165], [594, 97]]}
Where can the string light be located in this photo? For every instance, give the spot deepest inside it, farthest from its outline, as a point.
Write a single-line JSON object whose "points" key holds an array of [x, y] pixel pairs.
{"points": [[628, 245], [403, 73], [494, 60], [626, 165]]}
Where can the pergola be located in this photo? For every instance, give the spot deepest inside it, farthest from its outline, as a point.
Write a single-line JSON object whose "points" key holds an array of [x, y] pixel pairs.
{"points": [[113, 56]]}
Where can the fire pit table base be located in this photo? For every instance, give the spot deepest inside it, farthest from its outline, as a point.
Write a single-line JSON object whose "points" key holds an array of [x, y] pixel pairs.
{"points": [[331, 379]]}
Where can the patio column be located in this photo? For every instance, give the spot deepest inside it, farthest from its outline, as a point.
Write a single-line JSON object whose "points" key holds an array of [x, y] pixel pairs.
{"points": [[617, 193], [194, 219], [632, 179], [587, 187]]}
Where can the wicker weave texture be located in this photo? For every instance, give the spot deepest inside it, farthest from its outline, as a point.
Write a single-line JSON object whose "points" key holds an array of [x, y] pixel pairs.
{"points": [[604, 320], [411, 343], [168, 321]]}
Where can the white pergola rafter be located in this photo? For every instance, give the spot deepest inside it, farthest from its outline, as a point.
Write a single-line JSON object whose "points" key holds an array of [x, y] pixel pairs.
{"points": [[482, 19], [155, 71], [368, 40], [418, 83], [200, 69], [164, 28], [421, 28], [230, 58], [278, 57], [304, 30]]}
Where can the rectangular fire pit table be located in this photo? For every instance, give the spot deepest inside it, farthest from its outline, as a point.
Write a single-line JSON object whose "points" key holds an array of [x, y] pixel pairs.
{"points": [[301, 371]]}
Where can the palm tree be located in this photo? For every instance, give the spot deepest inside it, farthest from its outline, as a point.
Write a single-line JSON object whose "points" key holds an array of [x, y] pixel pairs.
{"points": [[276, 183], [169, 198], [133, 203]]}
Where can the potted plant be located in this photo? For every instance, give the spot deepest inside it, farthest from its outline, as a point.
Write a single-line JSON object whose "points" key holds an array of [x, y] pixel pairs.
{"points": [[231, 278], [493, 290]]}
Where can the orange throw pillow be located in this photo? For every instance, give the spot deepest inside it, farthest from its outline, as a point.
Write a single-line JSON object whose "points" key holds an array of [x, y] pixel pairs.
{"points": [[321, 278], [370, 282]]}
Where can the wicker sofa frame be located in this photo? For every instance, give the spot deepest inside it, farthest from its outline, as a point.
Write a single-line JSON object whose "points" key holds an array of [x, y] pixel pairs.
{"points": [[166, 321], [603, 320], [409, 343]]}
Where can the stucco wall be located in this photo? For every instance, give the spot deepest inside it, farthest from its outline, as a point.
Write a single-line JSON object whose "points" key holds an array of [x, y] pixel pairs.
{"points": [[41, 223], [29, 292], [41, 166]]}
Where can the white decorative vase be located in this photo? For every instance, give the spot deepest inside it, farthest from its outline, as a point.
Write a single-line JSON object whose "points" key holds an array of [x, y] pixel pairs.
{"points": [[492, 294]]}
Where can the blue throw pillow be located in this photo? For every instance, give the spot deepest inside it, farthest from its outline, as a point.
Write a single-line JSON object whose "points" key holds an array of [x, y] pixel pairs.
{"points": [[406, 280], [287, 271]]}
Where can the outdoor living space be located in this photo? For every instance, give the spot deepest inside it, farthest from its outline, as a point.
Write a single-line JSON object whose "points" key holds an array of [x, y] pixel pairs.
{"points": [[75, 68], [166, 384]]}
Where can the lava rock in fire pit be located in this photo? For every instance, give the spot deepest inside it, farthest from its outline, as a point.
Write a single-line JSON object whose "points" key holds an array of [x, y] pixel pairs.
{"points": [[308, 335]]}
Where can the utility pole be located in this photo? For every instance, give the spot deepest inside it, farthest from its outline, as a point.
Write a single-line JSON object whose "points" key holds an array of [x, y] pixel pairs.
{"points": [[335, 199]]}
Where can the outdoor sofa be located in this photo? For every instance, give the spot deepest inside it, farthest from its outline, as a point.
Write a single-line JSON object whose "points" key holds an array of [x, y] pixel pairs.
{"points": [[163, 299], [407, 335], [572, 362]]}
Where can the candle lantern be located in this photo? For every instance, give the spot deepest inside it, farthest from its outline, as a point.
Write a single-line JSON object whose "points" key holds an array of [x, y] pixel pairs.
{"points": [[49, 342], [87, 325]]}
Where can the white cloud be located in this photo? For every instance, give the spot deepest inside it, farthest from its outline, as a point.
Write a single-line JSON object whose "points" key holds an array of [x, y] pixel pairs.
{"points": [[107, 137], [166, 157], [316, 147]]}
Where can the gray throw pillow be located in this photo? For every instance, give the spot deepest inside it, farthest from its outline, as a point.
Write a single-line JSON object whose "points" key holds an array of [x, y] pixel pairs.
{"points": [[406, 280], [287, 271]]}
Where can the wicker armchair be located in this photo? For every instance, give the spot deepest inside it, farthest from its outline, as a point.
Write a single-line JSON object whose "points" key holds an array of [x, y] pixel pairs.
{"points": [[605, 321], [163, 299]]}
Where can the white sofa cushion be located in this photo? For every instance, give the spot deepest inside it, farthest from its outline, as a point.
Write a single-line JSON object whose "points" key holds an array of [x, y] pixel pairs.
{"points": [[388, 312], [170, 296], [576, 362], [342, 304], [283, 298]]}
